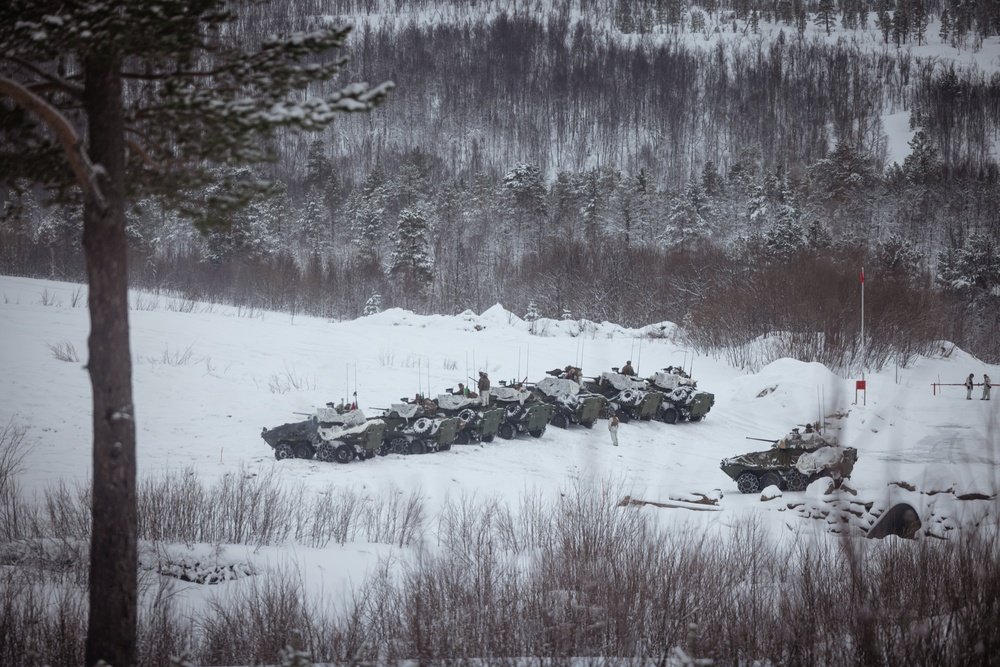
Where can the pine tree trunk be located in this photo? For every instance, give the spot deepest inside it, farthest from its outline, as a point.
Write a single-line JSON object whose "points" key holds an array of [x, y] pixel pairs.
{"points": [[111, 634]]}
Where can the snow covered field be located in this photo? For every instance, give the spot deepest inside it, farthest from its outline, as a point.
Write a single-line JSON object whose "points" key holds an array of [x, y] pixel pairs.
{"points": [[208, 378]]}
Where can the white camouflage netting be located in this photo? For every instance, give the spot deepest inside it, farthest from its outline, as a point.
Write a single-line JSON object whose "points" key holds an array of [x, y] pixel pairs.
{"points": [[623, 382], [807, 440], [345, 420], [509, 394], [564, 391], [407, 410], [824, 457], [335, 433], [455, 401], [665, 380]]}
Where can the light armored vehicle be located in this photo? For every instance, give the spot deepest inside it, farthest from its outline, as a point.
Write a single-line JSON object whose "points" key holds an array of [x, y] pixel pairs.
{"points": [[628, 396], [345, 435], [477, 423], [522, 412], [681, 397], [415, 428], [571, 403], [331, 434], [792, 463]]}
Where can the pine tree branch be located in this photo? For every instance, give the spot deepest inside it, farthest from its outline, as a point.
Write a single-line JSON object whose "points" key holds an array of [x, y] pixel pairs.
{"points": [[54, 83], [72, 145]]}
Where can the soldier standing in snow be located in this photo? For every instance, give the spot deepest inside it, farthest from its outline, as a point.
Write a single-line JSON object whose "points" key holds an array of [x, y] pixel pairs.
{"points": [[627, 368], [969, 383], [986, 388], [613, 428], [484, 387]]}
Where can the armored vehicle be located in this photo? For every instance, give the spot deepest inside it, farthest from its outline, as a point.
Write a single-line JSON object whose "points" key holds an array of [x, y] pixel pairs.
{"points": [[681, 397], [571, 405], [345, 435], [792, 463], [522, 411], [415, 428], [628, 396], [476, 422], [293, 440], [331, 434]]}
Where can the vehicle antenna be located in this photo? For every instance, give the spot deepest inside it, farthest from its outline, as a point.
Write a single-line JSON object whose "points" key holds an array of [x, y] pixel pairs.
{"points": [[638, 360], [419, 375], [355, 385], [519, 361], [347, 382], [428, 377], [527, 354], [583, 344]]}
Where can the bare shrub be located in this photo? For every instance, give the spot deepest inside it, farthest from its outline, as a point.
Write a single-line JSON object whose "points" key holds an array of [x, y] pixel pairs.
{"points": [[14, 513], [282, 383], [64, 351], [77, 298], [145, 301], [49, 298]]}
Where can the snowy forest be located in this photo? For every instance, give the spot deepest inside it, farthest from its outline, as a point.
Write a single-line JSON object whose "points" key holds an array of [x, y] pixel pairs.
{"points": [[722, 165]]}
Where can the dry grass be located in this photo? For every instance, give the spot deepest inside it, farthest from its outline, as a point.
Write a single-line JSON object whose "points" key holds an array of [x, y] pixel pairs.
{"points": [[574, 578]]}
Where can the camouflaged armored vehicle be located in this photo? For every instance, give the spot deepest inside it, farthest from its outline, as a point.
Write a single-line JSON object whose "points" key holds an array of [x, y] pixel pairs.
{"points": [[681, 397], [571, 403], [476, 422], [522, 411], [415, 428], [332, 434], [346, 435], [792, 463], [628, 396]]}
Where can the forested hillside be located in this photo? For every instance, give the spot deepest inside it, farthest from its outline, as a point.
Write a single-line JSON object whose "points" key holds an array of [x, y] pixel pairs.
{"points": [[721, 165]]}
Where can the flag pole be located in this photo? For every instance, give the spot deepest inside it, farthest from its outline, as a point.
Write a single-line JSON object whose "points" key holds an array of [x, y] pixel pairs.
{"points": [[862, 323]]}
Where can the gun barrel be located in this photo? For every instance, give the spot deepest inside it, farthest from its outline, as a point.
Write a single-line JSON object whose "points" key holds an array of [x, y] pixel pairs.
{"points": [[307, 414], [762, 439]]}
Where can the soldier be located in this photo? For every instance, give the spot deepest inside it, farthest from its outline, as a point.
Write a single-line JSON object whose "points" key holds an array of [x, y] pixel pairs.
{"points": [[613, 429], [484, 387], [969, 384], [463, 390], [986, 388], [627, 368]]}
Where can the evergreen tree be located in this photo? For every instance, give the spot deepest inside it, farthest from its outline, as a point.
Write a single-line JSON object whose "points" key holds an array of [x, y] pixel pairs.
{"points": [[411, 262], [374, 304], [80, 81], [366, 210], [688, 224], [826, 14]]}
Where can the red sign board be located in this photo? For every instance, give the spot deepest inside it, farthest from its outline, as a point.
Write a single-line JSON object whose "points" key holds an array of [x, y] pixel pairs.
{"points": [[860, 385]]}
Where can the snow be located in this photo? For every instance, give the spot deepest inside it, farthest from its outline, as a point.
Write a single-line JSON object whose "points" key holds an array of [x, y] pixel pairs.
{"points": [[201, 413]]}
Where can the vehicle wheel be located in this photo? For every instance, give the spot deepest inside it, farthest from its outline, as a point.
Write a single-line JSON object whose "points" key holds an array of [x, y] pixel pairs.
{"points": [[748, 483], [370, 454], [304, 450], [770, 478], [537, 433], [628, 396], [506, 431], [423, 425], [487, 438], [589, 424], [559, 420], [283, 451], [669, 415], [383, 449], [399, 445], [444, 448], [623, 416], [462, 438], [466, 414], [694, 419], [796, 481], [513, 411], [344, 454], [418, 447], [325, 453]]}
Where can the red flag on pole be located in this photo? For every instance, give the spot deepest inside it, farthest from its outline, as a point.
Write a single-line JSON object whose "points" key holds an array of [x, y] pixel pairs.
{"points": [[862, 276]]}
